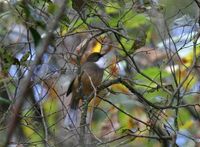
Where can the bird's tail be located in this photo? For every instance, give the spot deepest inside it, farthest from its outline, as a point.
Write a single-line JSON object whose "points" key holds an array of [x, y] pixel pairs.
{"points": [[71, 119]]}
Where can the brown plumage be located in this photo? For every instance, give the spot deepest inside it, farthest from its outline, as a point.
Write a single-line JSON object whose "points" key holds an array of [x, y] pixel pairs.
{"points": [[83, 85]]}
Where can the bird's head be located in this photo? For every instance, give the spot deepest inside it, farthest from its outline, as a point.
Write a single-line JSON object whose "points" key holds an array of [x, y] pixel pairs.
{"points": [[100, 59], [94, 57]]}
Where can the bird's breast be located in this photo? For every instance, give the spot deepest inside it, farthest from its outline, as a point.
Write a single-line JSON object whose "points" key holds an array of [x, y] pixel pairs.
{"points": [[91, 77]]}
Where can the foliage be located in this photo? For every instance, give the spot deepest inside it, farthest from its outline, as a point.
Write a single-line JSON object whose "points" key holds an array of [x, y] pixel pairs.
{"points": [[149, 95]]}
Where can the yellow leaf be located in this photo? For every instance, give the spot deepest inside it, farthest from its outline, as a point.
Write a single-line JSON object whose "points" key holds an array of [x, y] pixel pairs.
{"points": [[51, 109], [191, 79], [188, 58], [30, 128], [187, 125], [120, 88]]}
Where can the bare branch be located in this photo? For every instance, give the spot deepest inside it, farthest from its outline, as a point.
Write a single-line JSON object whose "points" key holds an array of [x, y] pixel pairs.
{"points": [[24, 83]]}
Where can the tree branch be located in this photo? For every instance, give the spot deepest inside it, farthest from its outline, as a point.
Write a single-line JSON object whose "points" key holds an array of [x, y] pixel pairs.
{"points": [[25, 82]]}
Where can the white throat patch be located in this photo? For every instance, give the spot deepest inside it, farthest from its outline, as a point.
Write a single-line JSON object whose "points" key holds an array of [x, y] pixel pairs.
{"points": [[102, 63]]}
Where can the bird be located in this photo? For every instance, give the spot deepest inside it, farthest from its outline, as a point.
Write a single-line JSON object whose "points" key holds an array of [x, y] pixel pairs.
{"points": [[84, 84]]}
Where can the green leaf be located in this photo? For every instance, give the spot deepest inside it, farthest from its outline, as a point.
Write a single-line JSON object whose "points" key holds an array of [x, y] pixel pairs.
{"points": [[133, 20], [25, 57], [128, 46], [123, 118], [31, 127], [63, 29], [5, 101], [125, 121], [149, 33], [51, 108], [184, 116], [127, 43], [157, 95], [77, 25], [112, 8], [25, 8], [52, 8], [150, 90], [153, 73], [65, 19], [36, 36]]}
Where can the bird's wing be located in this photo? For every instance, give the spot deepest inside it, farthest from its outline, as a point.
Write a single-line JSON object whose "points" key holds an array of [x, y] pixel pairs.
{"points": [[69, 90]]}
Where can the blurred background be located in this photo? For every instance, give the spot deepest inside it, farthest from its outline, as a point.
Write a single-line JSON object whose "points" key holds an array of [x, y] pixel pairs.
{"points": [[152, 44]]}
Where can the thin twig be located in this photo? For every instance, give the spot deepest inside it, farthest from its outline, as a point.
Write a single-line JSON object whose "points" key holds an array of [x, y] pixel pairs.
{"points": [[24, 83]]}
